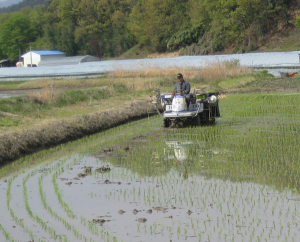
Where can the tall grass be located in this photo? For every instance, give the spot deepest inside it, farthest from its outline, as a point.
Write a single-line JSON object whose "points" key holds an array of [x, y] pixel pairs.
{"points": [[47, 98], [47, 94], [211, 72]]}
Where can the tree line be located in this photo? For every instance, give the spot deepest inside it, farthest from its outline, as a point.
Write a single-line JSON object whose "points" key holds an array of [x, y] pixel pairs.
{"points": [[108, 28]]}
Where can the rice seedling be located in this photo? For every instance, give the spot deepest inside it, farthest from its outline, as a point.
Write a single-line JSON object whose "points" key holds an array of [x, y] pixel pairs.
{"points": [[59, 195], [37, 218], [6, 234], [55, 215], [11, 211]]}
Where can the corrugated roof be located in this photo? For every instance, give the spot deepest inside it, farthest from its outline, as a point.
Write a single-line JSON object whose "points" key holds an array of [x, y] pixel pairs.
{"points": [[47, 52], [257, 60], [72, 60]]}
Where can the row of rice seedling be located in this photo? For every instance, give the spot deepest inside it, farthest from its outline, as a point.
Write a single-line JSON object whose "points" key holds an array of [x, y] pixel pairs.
{"points": [[40, 221], [7, 235], [65, 206], [63, 165], [93, 228], [57, 167], [37, 218], [50, 156], [54, 214], [18, 220]]}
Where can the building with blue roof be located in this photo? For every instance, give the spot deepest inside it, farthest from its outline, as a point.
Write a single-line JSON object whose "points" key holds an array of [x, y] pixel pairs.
{"points": [[34, 57]]}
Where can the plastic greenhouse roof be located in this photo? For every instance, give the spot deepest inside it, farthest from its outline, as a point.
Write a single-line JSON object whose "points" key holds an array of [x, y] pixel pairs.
{"points": [[73, 60], [266, 60]]}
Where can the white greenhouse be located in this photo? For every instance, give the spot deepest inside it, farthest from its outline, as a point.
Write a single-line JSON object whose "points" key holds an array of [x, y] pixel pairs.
{"points": [[33, 58]]}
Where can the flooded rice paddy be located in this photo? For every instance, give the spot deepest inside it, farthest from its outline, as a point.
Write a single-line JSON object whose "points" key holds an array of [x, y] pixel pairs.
{"points": [[237, 180]]}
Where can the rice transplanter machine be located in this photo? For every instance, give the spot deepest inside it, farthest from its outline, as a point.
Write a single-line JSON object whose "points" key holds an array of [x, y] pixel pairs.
{"points": [[199, 107]]}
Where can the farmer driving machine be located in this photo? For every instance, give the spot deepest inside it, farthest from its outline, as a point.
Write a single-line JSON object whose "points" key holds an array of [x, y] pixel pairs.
{"points": [[199, 107]]}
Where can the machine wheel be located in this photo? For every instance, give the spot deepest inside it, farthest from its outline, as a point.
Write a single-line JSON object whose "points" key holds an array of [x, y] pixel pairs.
{"points": [[197, 120], [213, 112], [204, 117], [212, 121], [166, 123]]}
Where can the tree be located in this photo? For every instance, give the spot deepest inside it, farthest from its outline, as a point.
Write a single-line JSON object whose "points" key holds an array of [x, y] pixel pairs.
{"points": [[102, 27], [153, 22], [15, 34]]}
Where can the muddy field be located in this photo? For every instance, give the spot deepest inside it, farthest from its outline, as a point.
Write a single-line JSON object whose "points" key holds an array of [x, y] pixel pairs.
{"points": [[237, 180]]}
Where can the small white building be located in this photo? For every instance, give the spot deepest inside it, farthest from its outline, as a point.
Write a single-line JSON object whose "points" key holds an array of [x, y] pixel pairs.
{"points": [[34, 57]]}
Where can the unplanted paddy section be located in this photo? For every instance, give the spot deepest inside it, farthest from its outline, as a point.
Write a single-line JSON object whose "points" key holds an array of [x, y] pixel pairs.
{"points": [[237, 180]]}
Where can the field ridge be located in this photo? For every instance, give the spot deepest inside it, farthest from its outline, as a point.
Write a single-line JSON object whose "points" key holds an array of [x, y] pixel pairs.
{"points": [[13, 146]]}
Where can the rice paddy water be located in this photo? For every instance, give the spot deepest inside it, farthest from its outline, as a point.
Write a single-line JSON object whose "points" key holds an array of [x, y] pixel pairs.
{"points": [[237, 180]]}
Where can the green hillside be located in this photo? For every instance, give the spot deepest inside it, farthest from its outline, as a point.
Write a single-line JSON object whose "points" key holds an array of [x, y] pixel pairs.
{"points": [[110, 28]]}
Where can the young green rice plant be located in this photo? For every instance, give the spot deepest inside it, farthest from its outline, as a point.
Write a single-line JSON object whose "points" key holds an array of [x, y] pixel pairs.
{"points": [[6, 234], [59, 195], [55, 215], [36, 217], [11, 211]]}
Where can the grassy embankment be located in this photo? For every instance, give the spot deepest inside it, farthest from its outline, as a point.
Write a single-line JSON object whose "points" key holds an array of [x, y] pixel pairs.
{"points": [[63, 110]]}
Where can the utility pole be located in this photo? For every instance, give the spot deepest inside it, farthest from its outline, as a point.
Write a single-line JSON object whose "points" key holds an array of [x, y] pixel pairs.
{"points": [[30, 57]]}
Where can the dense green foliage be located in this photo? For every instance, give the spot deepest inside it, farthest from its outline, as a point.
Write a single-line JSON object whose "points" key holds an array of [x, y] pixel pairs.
{"points": [[16, 33], [109, 28]]}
